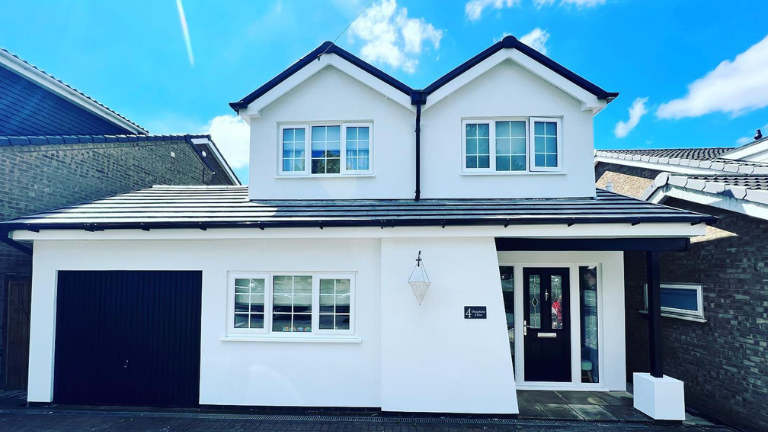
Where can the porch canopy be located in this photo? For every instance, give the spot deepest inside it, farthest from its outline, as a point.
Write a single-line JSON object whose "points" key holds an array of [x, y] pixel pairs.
{"points": [[213, 207]]}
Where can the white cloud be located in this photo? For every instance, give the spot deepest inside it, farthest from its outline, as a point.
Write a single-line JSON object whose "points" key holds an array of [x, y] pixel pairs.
{"points": [[474, 8], [536, 40], [636, 112], [743, 140], [391, 37], [733, 87], [232, 137], [577, 3]]}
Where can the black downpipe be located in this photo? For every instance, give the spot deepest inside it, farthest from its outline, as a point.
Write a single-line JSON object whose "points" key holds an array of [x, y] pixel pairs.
{"points": [[418, 152]]}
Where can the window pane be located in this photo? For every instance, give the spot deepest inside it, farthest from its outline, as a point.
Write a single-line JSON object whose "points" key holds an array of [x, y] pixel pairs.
{"points": [[292, 304], [242, 303], [503, 146], [540, 160], [518, 163], [503, 163], [551, 128], [680, 298], [334, 133], [534, 288], [326, 322], [518, 146], [557, 301], [241, 320], [483, 131], [363, 133], [471, 161], [471, 146], [502, 129], [257, 321], [588, 311], [539, 144], [483, 146], [293, 149], [471, 130], [342, 322], [508, 291], [538, 128], [545, 144], [517, 129], [299, 135], [484, 162], [551, 160], [551, 145]]}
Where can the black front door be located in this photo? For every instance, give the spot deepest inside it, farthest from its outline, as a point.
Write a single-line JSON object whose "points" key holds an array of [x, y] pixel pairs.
{"points": [[547, 331], [128, 338]]}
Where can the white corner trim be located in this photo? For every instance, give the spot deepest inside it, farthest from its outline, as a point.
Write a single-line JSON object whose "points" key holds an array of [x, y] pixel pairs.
{"points": [[307, 339], [22, 68], [254, 108], [587, 99]]}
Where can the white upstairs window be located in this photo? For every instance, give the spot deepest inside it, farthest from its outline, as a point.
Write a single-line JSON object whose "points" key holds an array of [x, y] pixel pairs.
{"points": [[326, 149], [511, 145], [546, 154]]}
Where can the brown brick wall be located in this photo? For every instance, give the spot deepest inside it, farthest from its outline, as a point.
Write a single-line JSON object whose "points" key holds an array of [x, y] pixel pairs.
{"points": [[39, 178], [630, 181], [723, 362]]}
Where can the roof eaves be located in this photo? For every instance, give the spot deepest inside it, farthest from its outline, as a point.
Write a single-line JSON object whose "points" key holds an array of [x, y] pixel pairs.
{"points": [[513, 43], [324, 48], [714, 164], [59, 85]]}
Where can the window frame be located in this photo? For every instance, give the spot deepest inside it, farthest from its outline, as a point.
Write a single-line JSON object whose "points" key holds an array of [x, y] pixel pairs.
{"points": [[530, 167], [280, 150], [231, 329], [267, 331], [343, 172], [532, 144], [680, 313]]}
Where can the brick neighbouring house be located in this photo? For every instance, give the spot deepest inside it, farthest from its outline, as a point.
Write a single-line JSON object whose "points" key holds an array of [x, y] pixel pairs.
{"points": [[59, 147], [722, 358]]}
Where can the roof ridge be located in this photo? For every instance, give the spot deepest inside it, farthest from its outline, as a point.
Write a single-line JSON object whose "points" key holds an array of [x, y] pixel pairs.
{"points": [[19, 59]]}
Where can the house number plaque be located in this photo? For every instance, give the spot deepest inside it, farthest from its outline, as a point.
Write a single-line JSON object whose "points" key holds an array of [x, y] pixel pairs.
{"points": [[475, 312]]}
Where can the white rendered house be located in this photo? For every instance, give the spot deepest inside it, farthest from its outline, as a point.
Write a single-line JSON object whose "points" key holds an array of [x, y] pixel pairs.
{"points": [[294, 291]]}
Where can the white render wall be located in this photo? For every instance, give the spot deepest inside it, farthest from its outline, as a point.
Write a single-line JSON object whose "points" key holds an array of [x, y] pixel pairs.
{"points": [[333, 96], [506, 90], [234, 373], [433, 359]]}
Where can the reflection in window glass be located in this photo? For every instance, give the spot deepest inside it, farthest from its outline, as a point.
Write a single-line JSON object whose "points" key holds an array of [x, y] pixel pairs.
{"points": [[534, 282], [249, 303], [294, 145], [478, 148], [292, 304], [510, 146], [588, 313], [334, 304], [326, 149], [557, 302], [508, 291], [358, 148]]}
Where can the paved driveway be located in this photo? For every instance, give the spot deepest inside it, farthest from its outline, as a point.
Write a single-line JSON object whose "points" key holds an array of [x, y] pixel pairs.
{"points": [[66, 420]]}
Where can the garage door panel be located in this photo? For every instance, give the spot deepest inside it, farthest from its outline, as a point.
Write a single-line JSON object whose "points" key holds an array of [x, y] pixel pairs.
{"points": [[128, 338]]}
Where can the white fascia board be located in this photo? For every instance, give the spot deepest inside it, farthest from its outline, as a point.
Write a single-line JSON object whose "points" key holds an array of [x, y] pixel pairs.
{"points": [[222, 162], [681, 169], [747, 153], [749, 208], [580, 231], [254, 108], [587, 99], [27, 71]]}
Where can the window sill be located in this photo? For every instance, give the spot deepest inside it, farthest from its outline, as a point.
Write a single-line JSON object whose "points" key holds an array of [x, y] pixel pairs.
{"points": [[322, 176], [678, 316], [310, 339], [511, 173]]}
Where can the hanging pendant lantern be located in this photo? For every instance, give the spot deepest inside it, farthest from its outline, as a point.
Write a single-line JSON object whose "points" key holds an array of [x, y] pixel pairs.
{"points": [[419, 281]]}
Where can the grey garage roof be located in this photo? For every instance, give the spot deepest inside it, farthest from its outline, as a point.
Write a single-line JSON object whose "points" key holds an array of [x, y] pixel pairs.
{"points": [[204, 207]]}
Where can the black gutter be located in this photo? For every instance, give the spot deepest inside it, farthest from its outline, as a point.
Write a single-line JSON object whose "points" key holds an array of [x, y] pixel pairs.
{"points": [[5, 238], [382, 223], [418, 98]]}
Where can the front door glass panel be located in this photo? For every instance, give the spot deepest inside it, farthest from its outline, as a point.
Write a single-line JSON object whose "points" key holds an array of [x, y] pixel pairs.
{"points": [[556, 303], [534, 300], [589, 339]]}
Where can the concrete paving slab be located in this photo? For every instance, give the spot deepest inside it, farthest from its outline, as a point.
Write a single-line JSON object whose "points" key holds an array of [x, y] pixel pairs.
{"points": [[592, 412]]}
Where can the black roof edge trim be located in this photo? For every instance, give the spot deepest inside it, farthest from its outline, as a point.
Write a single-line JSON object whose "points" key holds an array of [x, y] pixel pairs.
{"points": [[325, 48], [21, 226], [514, 43], [5, 238], [674, 244]]}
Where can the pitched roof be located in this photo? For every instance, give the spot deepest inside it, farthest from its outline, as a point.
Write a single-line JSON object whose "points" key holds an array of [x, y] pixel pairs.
{"points": [[514, 43], [419, 96], [681, 160], [324, 48], [702, 153], [22, 67], [752, 188], [203, 207], [213, 160]]}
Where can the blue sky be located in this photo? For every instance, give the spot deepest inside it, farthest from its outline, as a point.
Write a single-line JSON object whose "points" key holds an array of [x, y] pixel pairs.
{"points": [[131, 56]]}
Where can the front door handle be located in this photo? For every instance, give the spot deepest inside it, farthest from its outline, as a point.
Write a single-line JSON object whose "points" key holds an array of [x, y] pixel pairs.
{"points": [[125, 365]]}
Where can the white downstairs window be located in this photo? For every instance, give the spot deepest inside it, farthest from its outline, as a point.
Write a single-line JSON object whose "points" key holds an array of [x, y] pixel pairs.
{"points": [[290, 304], [326, 149], [680, 300]]}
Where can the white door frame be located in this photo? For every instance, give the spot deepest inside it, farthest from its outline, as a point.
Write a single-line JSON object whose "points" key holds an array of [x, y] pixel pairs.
{"points": [[575, 302]]}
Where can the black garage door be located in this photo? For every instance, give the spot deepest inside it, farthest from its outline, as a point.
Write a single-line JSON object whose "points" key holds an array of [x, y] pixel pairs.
{"points": [[128, 338]]}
